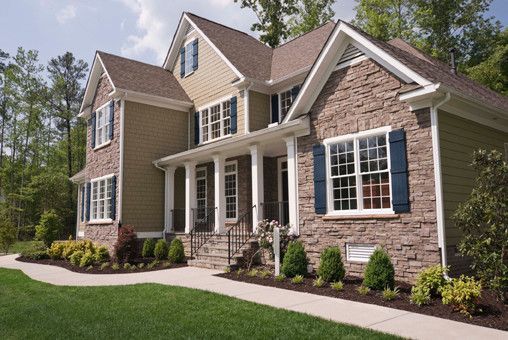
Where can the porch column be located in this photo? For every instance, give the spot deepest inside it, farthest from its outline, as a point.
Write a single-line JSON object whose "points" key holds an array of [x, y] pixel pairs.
{"points": [[219, 195], [292, 183], [256, 157], [169, 197], [190, 194]]}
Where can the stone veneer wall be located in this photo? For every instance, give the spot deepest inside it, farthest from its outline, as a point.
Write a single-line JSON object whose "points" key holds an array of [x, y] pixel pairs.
{"points": [[361, 97], [103, 161]]}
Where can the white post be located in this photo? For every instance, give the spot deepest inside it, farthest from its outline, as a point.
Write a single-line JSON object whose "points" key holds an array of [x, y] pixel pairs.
{"points": [[292, 183], [256, 156], [276, 249], [219, 194], [190, 194], [169, 197]]}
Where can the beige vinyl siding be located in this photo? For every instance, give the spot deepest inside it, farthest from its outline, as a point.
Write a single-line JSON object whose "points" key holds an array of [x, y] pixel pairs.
{"points": [[458, 139], [150, 133], [259, 110], [210, 82]]}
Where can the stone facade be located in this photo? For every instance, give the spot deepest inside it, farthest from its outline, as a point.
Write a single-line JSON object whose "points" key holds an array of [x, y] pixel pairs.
{"points": [[357, 98]]}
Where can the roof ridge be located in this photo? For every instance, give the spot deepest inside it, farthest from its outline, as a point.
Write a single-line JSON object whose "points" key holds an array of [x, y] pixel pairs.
{"points": [[134, 60], [300, 36]]}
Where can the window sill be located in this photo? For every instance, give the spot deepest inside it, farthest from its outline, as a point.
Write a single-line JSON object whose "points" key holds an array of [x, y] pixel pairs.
{"points": [[215, 140], [102, 221], [188, 74], [360, 217], [102, 145]]}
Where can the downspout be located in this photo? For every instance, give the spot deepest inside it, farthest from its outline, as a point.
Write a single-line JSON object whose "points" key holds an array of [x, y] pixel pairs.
{"points": [[438, 178]]}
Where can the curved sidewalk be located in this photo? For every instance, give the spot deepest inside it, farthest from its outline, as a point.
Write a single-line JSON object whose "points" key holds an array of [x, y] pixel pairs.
{"points": [[399, 322]]}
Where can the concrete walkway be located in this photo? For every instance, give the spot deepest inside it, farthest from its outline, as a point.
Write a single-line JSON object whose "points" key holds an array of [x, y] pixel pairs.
{"points": [[403, 323]]}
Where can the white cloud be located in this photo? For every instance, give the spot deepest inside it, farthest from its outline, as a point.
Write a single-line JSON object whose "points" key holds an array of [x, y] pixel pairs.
{"points": [[65, 14]]}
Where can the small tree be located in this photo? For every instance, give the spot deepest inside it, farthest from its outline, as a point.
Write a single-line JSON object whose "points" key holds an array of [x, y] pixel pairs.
{"points": [[483, 219], [49, 228], [7, 232], [379, 272], [331, 267], [176, 252], [125, 246]]}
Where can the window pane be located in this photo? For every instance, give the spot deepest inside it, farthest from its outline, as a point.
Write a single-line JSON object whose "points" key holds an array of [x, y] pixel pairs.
{"points": [[230, 190], [285, 103]]}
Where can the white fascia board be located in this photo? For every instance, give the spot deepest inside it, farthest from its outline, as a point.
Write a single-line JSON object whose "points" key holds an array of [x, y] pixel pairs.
{"points": [[143, 98]]}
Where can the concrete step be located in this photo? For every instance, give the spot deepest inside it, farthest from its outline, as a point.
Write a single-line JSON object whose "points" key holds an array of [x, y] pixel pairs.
{"points": [[211, 264]]}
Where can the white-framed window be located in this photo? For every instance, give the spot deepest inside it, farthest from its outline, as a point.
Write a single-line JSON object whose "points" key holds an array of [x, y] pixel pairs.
{"points": [[100, 208], [231, 189], [189, 62], [201, 192], [285, 101], [215, 121], [102, 125], [358, 173]]}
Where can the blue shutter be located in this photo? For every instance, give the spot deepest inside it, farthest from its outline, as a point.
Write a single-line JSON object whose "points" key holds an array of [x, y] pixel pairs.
{"points": [[82, 204], [195, 54], [234, 115], [88, 199], [398, 163], [182, 62], [275, 108], [294, 92], [92, 126], [113, 198], [318, 151], [196, 128], [111, 119]]}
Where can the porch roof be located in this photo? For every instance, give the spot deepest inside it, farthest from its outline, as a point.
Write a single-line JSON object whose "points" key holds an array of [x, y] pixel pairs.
{"points": [[237, 145]]}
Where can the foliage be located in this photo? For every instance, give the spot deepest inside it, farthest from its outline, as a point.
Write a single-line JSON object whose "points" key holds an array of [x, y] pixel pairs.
{"points": [[87, 259], [49, 228], [176, 252], [35, 252], [298, 279], [319, 282], [280, 278], [338, 285], [252, 273], [363, 290], [125, 246], [295, 260], [463, 294], [7, 232], [331, 267], [240, 272], [115, 266], [433, 279], [101, 254], [483, 219], [264, 273], [310, 14], [148, 247], [75, 258], [264, 234], [127, 266], [420, 295], [379, 272], [141, 265], [390, 294], [56, 250], [161, 250], [152, 264], [105, 265]]}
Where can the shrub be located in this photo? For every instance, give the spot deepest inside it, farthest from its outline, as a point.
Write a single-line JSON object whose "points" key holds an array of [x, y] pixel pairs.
{"points": [[463, 294], [152, 264], [298, 279], [379, 272], [75, 258], [161, 250], [101, 254], [125, 246], [87, 260], [7, 233], [390, 294], [280, 277], [295, 260], [115, 266], [240, 272], [331, 267], [363, 290], [148, 248], [433, 278], [420, 295], [166, 264], [338, 286], [49, 228], [104, 265], [264, 274], [141, 265], [35, 252], [319, 282], [252, 272], [176, 252], [127, 266], [56, 250]]}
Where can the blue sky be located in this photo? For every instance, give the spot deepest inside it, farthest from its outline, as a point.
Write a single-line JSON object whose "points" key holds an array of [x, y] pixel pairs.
{"points": [[138, 29]]}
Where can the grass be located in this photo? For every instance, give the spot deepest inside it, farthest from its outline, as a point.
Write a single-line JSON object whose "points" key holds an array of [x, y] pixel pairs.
{"points": [[32, 309], [19, 246]]}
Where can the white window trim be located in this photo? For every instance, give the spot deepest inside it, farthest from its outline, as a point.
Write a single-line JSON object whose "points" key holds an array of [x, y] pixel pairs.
{"points": [[99, 220], [329, 193], [107, 142], [236, 189], [208, 106], [279, 100]]}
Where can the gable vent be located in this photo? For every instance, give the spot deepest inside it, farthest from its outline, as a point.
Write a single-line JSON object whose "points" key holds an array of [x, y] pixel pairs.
{"points": [[359, 252], [190, 29], [350, 53]]}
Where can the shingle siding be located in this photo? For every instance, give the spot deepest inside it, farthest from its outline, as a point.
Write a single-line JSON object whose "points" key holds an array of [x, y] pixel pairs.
{"points": [[259, 110]]}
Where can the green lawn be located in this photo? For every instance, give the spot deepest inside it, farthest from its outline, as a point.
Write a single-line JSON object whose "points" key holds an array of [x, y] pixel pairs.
{"points": [[31, 309], [19, 246]]}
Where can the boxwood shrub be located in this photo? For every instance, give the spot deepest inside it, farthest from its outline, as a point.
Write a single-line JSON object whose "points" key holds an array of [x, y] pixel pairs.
{"points": [[379, 273], [295, 260], [176, 252], [331, 268], [148, 247], [161, 250]]}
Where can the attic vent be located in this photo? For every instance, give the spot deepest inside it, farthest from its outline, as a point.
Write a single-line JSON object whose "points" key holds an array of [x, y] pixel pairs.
{"points": [[350, 53], [190, 29], [359, 252]]}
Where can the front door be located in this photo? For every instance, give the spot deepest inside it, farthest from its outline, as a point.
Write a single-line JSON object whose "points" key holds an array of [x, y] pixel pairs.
{"points": [[283, 191]]}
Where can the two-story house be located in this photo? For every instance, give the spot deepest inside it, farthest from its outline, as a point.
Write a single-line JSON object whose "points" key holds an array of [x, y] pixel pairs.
{"points": [[351, 141]]}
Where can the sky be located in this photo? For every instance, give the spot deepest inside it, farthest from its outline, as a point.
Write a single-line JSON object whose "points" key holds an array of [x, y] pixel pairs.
{"points": [[137, 29]]}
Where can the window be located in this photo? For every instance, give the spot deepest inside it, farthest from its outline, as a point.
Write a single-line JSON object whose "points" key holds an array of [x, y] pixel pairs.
{"points": [[230, 190], [216, 121], [189, 59], [101, 198], [201, 192], [285, 103], [358, 174], [102, 125]]}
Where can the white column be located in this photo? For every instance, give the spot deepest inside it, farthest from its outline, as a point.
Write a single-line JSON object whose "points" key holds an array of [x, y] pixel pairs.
{"points": [[292, 183], [219, 195], [169, 197], [256, 157], [190, 194]]}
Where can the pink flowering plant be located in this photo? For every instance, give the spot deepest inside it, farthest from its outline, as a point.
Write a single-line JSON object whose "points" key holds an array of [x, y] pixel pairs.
{"points": [[265, 230]]}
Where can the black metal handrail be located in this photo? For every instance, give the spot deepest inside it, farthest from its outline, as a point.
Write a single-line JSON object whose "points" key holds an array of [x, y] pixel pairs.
{"points": [[178, 220], [240, 233], [204, 227], [278, 211]]}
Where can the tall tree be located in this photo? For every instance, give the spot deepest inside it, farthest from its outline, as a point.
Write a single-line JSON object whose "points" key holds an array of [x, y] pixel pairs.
{"points": [[309, 15], [3, 112]]}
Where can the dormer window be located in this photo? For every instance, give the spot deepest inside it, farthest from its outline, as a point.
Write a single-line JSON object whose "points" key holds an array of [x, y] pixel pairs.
{"points": [[189, 58]]}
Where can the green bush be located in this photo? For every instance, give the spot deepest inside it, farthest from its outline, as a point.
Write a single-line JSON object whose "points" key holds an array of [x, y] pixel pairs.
{"points": [[161, 250], [49, 228], [176, 252], [298, 279], [125, 246], [390, 294], [433, 278], [319, 282], [7, 233], [148, 247], [363, 290], [331, 267], [101, 254], [338, 286], [295, 260], [87, 259], [56, 250], [35, 252], [420, 295], [115, 266], [463, 294], [280, 277], [379, 272], [75, 258]]}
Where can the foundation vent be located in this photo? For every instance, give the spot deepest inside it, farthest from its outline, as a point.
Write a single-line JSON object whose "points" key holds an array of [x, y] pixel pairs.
{"points": [[359, 252]]}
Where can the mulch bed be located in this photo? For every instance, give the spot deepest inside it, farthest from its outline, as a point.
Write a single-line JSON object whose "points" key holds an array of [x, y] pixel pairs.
{"points": [[97, 270], [494, 314]]}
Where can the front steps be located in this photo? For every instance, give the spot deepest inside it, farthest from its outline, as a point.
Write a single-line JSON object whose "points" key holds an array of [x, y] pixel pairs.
{"points": [[214, 254]]}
